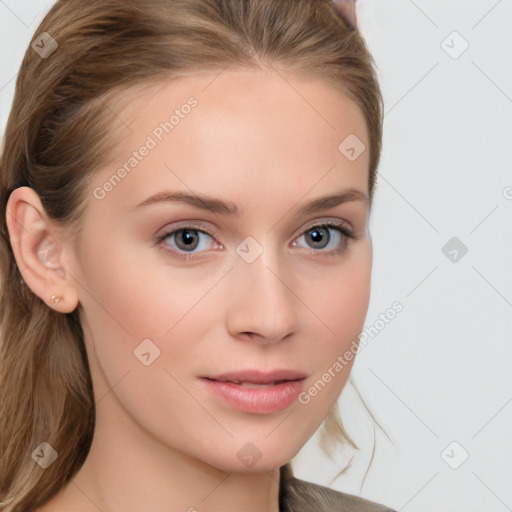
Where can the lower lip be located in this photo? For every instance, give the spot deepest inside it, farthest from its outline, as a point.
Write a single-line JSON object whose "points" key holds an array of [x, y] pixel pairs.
{"points": [[260, 400]]}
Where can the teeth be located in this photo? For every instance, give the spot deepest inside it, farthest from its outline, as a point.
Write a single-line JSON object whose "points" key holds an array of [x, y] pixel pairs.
{"points": [[252, 385]]}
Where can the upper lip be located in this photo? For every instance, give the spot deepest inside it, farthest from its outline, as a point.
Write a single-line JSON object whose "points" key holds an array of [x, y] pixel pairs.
{"points": [[259, 377]]}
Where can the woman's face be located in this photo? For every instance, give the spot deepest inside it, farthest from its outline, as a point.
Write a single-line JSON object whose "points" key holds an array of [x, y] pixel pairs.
{"points": [[266, 288]]}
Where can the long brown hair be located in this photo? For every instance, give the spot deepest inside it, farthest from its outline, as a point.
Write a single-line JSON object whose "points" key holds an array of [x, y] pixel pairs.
{"points": [[58, 133]]}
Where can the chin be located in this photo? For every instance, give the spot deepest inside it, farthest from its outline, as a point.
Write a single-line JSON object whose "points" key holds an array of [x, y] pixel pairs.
{"points": [[249, 459]]}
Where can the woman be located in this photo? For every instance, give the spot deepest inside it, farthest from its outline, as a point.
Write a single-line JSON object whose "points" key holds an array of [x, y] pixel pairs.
{"points": [[185, 252]]}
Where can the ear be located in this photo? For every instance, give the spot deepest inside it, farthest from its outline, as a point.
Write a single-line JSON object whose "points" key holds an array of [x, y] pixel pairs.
{"points": [[38, 247]]}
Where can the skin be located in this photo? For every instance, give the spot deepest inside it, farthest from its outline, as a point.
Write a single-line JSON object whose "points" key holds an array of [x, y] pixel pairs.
{"points": [[162, 442]]}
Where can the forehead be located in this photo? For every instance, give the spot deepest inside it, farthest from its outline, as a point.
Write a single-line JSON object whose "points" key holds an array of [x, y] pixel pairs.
{"points": [[234, 130]]}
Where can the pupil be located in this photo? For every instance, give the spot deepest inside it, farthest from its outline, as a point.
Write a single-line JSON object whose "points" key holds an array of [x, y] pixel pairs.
{"points": [[316, 236], [187, 237]]}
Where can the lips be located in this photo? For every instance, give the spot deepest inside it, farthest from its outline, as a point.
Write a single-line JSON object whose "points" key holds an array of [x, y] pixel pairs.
{"points": [[254, 391], [257, 377]]}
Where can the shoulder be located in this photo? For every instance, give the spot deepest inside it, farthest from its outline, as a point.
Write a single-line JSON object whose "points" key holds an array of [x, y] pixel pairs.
{"points": [[303, 496]]}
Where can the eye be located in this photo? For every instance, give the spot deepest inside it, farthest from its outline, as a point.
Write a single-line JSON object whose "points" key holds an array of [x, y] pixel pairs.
{"points": [[184, 241], [186, 238], [319, 237]]}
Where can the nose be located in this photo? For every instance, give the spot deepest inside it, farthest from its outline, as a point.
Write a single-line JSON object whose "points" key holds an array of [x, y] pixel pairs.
{"points": [[262, 303]]}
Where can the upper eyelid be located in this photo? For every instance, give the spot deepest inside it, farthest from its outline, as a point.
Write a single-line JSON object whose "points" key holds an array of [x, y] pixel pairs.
{"points": [[326, 220]]}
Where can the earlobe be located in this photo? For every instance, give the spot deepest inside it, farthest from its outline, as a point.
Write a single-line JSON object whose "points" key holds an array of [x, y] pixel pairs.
{"points": [[37, 247]]}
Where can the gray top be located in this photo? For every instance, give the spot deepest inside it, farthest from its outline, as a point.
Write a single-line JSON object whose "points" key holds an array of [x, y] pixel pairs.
{"points": [[296, 495]]}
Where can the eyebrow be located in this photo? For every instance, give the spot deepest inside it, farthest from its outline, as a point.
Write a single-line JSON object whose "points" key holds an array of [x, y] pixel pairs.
{"points": [[216, 205]]}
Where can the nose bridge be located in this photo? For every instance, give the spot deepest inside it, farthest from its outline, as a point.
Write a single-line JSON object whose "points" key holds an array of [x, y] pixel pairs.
{"points": [[263, 300]]}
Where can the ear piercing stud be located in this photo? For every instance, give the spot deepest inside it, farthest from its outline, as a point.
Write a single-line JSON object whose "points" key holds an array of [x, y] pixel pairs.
{"points": [[55, 299]]}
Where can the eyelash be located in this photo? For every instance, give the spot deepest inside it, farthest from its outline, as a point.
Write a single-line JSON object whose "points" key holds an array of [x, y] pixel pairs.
{"points": [[349, 237]]}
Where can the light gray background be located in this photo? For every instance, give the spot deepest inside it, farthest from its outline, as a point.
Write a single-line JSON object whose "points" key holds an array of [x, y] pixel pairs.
{"points": [[441, 370]]}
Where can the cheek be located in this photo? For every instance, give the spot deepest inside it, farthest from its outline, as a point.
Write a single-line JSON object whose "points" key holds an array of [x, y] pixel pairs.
{"points": [[128, 304], [130, 300], [342, 305], [135, 292], [342, 300]]}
